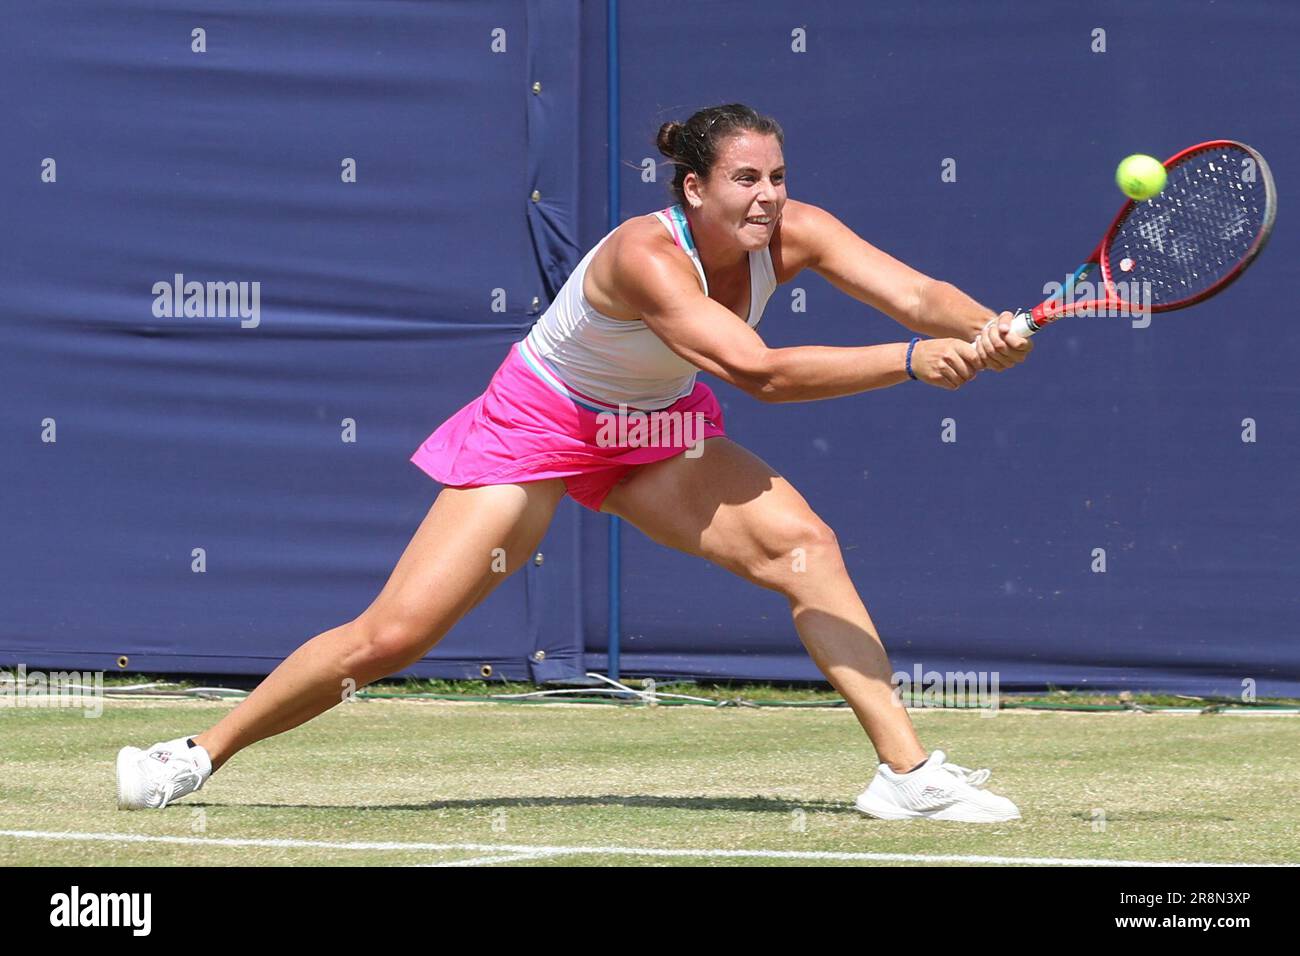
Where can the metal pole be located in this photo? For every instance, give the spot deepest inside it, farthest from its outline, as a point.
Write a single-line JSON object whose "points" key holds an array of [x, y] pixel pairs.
{"points": [[615, 524]]}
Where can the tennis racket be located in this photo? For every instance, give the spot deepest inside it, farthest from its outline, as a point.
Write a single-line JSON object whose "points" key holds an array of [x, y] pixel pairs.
{"points": [[1183, 245]]}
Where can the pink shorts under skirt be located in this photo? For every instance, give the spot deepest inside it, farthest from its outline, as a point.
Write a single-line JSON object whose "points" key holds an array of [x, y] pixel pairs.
{"points": [[528, 426]]}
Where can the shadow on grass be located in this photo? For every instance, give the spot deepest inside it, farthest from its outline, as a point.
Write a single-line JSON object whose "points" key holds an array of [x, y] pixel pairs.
{"points": [[698, 804], [1155, 816], [732, 804]]}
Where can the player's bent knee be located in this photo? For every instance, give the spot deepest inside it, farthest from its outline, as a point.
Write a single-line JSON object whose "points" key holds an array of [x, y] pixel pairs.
{"points": [[801, 547], [390, 643]]}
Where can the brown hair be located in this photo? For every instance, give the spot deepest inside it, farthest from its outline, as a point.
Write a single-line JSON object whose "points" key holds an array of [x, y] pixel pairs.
{"points": [[693, 146]]}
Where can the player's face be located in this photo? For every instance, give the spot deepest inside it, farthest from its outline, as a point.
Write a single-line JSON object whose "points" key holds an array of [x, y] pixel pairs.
{"points": [[747, 182]]}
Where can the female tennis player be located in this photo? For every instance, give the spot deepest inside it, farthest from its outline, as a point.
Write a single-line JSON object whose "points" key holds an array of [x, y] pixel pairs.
{"points": [[659, 298]]}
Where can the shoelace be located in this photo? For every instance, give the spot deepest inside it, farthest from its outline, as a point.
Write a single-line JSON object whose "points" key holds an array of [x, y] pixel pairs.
{"points": [[175, 784], [976, 778]]}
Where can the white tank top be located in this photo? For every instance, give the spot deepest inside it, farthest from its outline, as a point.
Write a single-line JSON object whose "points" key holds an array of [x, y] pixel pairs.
{"points": [[602, 362]]}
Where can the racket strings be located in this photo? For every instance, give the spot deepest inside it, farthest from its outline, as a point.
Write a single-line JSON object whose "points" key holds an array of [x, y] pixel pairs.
{"points": [[1196, 231]]}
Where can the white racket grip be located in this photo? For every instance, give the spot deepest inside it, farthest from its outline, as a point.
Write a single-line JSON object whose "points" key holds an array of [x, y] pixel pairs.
{"points": [[1022, 324]]}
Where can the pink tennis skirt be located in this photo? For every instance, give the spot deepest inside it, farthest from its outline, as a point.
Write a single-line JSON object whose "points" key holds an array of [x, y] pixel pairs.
{"points": [[528, 426]]}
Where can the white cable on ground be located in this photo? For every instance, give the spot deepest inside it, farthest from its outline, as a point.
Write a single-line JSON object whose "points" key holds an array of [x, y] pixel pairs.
{"points": [[615, 688]]}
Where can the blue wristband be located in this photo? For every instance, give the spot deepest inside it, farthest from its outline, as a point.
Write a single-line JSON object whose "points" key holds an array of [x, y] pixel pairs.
{"points": [[908, 365]]}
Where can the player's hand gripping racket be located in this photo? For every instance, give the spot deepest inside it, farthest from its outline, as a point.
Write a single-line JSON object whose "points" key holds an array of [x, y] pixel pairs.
{"points": [[1186, 243]]}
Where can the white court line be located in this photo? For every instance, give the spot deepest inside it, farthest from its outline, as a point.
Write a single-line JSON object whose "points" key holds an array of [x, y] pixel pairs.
{"points": [[488, 860], [599, 850]]}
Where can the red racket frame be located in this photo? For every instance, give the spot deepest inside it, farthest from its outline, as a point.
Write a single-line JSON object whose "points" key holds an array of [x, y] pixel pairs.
{"points": [[1043, 313]]}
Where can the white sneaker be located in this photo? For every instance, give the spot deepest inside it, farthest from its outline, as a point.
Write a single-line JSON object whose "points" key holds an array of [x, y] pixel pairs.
{"points": [[937, 790], [153, 778]]}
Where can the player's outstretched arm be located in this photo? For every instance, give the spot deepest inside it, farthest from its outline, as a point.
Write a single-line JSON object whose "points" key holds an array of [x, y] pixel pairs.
{"points": [[667, 295], [813, 238]]}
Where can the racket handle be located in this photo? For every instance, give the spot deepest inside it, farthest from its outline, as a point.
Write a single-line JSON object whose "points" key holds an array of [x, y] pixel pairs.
{"points": [[1022, 323]]}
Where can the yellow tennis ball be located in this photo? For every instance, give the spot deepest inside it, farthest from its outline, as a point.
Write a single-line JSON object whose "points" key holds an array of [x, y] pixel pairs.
{"points": [[1140, 176]]}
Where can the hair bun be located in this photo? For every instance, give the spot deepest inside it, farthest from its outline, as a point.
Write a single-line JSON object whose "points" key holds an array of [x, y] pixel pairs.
{"points": [[669, 138]]}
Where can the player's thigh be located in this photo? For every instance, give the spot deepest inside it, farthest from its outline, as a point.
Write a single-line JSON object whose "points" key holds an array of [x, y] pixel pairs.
{"points": [[729, 506], [469, 542]]}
